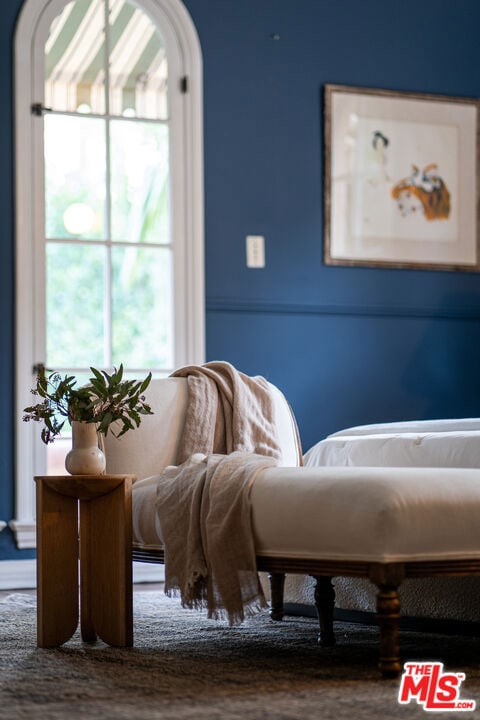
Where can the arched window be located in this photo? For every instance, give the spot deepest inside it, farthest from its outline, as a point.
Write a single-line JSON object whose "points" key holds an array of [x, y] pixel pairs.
{"points": [[109, 199]]}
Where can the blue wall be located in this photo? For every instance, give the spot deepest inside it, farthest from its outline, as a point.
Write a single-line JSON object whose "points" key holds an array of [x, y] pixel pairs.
{"points": [[347, 345]]}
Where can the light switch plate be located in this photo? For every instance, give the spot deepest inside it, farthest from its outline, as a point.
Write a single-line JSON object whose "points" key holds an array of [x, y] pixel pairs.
{"points": [[255, 251]]}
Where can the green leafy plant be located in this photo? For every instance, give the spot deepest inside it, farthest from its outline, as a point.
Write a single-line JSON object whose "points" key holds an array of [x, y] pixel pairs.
{"points": [[108, 399]]}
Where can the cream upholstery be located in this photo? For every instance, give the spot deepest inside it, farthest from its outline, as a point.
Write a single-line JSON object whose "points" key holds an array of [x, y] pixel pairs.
{"points": [[385, 523], [154, 444], [382, 514], [374, 514]]}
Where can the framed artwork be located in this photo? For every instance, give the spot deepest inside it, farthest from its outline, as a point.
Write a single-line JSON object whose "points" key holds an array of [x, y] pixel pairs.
{"points": [[401, 179]]}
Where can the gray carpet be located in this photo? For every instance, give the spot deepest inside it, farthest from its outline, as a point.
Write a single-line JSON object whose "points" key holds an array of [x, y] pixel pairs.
{"points": [[184, 667]]}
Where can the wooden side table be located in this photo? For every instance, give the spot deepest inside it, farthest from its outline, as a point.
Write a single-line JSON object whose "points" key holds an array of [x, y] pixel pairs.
{"points": [[103, 542]]}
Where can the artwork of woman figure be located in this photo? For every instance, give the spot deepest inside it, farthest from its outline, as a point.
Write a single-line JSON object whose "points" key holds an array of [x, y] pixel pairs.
{"points": [[378, 159], [423, 191]]}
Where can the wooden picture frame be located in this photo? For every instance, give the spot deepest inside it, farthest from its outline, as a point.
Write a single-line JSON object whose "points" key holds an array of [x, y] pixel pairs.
{"points": [[401, 179]]}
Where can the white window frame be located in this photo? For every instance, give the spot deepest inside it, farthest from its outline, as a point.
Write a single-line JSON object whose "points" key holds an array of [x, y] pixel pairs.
{"points": [[186, 143]]}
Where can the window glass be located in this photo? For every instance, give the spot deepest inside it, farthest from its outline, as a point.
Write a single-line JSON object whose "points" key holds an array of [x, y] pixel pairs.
{"points": [[109, 271], [75, 305], [75, 177], [140, 197], [142, 307]]}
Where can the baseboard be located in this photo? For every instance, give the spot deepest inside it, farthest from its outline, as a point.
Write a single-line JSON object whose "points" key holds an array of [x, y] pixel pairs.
{"points": [[18, 574], [22, 574], [148, 573], [420, 624]]}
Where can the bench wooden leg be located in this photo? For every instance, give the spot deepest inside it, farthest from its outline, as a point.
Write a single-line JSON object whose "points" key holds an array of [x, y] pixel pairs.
{"points": [[388, 616], [325, 604], [277, 584], [387, 578]]}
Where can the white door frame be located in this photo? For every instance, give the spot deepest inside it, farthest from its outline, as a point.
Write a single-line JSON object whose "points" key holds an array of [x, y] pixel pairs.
{"points": [[183, 45]]}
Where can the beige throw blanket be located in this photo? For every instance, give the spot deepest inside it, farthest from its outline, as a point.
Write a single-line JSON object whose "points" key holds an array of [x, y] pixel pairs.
{"points": [[227, 411], [205, 516], [204, 503]]}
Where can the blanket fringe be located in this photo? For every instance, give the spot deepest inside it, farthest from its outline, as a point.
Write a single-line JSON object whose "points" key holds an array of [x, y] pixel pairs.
{"points": [[237, 618], [199, 602]]}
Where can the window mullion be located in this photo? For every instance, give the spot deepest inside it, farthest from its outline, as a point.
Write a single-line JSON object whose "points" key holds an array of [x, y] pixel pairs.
{"points": [[108, 205], [108, 252]]}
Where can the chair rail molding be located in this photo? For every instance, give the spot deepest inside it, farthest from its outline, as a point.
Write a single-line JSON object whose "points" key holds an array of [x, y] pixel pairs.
{"points": [[272, 307]]}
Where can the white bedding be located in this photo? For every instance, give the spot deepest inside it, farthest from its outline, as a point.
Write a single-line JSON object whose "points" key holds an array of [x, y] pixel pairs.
{"points": [[412, 426], [459, 448]]}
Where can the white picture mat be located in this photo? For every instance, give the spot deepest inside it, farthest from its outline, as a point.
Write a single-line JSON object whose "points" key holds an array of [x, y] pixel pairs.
{"points": [[365, 221]]}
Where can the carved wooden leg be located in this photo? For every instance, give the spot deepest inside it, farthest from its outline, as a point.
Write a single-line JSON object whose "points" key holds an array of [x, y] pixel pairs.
{"points": [[388, 615], [325, 603], [277, 584]]}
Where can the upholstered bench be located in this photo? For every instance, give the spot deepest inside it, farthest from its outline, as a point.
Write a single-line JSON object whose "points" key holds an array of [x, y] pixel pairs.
{"points": [[385, 524], [453, 442]]}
